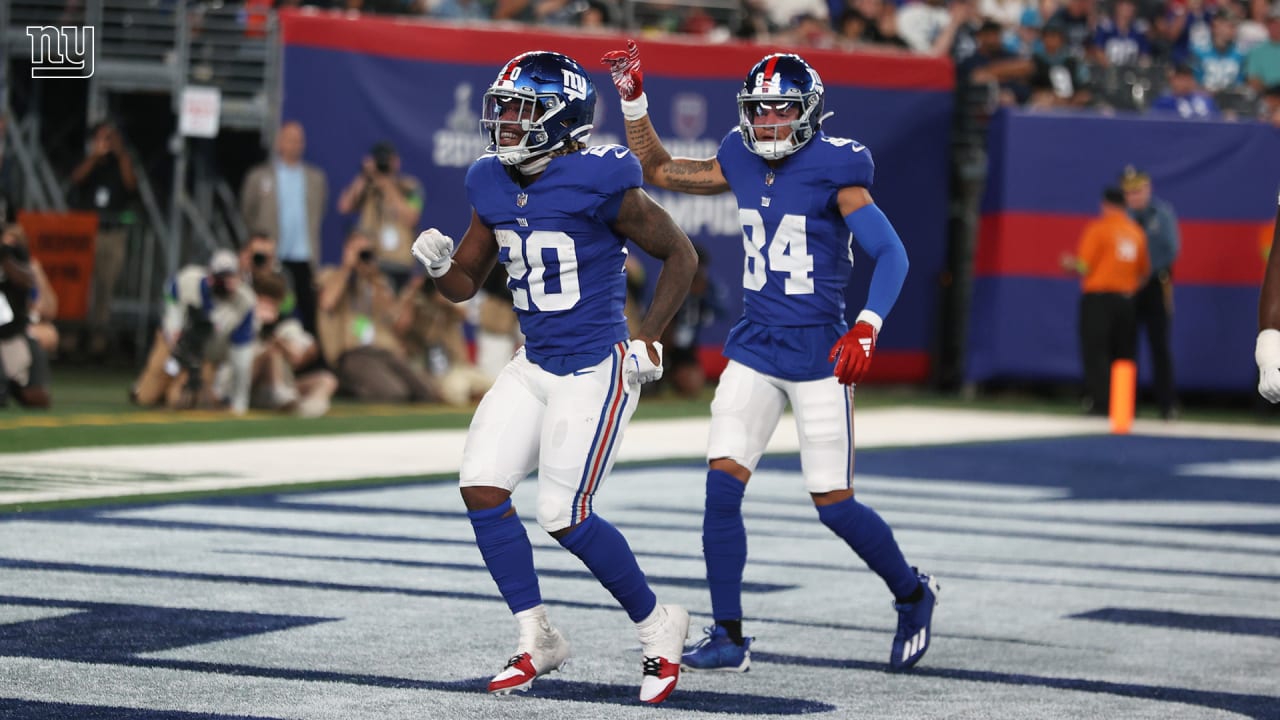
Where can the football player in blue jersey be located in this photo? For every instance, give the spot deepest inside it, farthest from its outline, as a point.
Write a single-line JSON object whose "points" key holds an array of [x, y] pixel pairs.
{"points": [[800, 194], [557, 214]]}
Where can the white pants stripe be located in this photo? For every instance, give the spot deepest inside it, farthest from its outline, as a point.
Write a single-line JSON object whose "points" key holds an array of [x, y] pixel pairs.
{"points": [[607, 431]]}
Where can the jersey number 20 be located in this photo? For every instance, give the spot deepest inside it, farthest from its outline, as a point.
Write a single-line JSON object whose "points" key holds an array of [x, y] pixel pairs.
{"points": [[788, 253], [530, 266]]}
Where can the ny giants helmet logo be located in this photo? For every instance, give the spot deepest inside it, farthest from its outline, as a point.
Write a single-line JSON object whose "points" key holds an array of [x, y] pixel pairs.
{"points": [[575, 85]]}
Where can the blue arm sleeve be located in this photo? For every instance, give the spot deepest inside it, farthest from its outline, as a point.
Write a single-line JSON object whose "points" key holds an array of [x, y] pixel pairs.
{"points": [[874, 234]]}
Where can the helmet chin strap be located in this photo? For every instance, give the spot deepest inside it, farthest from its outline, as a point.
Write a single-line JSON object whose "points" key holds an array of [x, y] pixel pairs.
{"points": [[533, 166]]}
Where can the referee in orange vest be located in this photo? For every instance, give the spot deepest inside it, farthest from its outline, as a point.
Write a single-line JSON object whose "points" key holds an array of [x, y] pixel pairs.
{"points": [[1113, 264]]}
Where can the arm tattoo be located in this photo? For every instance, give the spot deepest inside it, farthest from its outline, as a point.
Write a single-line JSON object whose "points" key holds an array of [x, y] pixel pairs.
{"points": [[699, 177]]}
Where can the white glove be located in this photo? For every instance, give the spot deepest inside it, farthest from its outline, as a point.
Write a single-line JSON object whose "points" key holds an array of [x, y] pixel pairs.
{"points": [[1267, 353], [637, 368], [434, 250]]}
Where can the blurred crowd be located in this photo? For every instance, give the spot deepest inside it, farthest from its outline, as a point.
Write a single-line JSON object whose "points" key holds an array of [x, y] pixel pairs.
{"points": [[1190, 58]]}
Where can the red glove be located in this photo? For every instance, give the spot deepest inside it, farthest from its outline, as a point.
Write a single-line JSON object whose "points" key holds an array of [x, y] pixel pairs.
{"points": [[852, 353], [624, 66]]}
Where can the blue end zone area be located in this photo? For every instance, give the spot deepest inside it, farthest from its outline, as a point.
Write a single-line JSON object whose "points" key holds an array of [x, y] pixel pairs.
{"points": [[1059, 559], [1101, 467]]}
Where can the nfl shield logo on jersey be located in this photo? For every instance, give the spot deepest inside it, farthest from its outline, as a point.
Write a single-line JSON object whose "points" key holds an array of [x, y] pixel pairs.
{"points": [[522, 199]]}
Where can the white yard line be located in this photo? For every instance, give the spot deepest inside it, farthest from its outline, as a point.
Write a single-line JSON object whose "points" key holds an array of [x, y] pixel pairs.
{"points": [[120, 471]]}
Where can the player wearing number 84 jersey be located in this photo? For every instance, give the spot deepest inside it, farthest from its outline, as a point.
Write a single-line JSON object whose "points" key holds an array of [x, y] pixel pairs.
{"points": [[802, 198], [557, 215]]}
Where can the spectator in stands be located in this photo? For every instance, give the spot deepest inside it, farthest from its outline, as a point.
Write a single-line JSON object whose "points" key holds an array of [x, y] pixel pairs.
{"points": [[1077, 20], [992, 63], [1252, 30], [1122, 38], [1154, 302], [1058, 79], [208, 325], [460, 10], [703, 305], [389, 203], [1024, 41], [24, 367], [1187, 29], [783, 13], [1112, 262], [282, 352], [858, 31], [1220, 66], [1006, 13], [430, 326], [596, 15], [285, 198], [1184, 97], [809, 31], [356, 323], [754, 25], [1262, 64], [104, 182], [921, 23]]}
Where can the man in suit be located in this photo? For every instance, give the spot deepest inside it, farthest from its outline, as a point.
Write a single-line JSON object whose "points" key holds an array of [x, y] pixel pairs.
{"points": [[285, 197]]}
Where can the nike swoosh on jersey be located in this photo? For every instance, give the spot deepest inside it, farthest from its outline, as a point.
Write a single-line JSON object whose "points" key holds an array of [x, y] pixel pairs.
{"points": [[583, 372]]}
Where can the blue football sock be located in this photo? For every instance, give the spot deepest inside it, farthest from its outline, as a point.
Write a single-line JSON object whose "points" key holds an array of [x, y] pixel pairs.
{"points": [[607, 555], [724, 543], [508, 555], [869, 536]]}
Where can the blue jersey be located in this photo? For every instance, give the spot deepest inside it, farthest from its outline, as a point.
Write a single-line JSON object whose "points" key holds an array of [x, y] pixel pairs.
{"points": [[798, 253], [564, 261]]}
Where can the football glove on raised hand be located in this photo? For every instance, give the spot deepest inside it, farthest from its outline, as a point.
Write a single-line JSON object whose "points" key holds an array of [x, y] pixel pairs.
{"points": [[434, 250], [1267, 354], [624, 66], [852, 353], [638, 367]]}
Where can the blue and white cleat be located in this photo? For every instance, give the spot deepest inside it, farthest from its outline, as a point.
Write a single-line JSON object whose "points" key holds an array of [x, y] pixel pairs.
{"points": [[915, 625], [717, 652]]}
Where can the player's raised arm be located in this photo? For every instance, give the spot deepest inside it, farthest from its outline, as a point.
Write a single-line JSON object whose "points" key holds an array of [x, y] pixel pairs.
{"points": [[650, 227], [458, 275], [698, 177]]}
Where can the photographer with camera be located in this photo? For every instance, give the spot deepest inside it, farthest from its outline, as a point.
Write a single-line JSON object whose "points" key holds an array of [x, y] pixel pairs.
{"points": [[104, 183], [282, 351], [208, 325], [24, 368], [356, 329], [389, 204]]}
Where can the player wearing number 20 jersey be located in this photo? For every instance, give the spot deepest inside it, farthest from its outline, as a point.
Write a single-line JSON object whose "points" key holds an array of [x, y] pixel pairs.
{"points": [[557, 214], [564, 262]]}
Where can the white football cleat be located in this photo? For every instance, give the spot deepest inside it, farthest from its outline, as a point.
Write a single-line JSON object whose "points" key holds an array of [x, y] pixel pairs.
{"points": [[662, 646], [546, 652]]}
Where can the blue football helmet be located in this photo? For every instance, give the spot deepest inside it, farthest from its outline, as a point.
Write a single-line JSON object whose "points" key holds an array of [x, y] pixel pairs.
{"points": [[777, 82], [539, 101]]}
